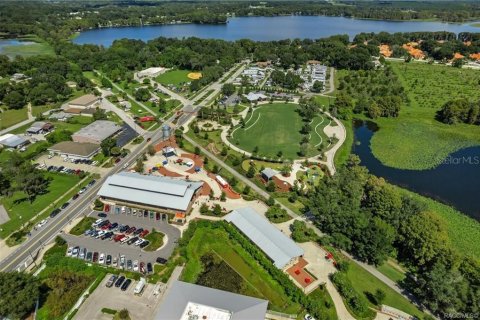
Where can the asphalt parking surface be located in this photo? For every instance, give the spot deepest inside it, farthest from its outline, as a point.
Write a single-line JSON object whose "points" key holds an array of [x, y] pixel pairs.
{"points": [[141, 306]]}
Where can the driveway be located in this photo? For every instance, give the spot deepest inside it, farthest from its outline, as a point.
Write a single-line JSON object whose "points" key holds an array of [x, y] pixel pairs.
{"points": [[140, 307]]}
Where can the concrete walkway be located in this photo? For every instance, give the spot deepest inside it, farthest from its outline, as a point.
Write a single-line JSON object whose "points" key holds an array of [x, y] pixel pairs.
{"points": [[30, 119]]}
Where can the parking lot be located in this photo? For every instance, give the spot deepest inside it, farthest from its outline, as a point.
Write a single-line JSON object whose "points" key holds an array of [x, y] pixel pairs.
{"points": [[131, 252], [46, 160], [139, 306]]}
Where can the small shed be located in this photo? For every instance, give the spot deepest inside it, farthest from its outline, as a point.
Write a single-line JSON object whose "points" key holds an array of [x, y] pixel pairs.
{"points": [[268, 173]]}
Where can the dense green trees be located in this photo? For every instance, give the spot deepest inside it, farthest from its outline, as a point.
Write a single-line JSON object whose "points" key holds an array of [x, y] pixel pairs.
{"points": [[18, 294], [368, 217], [460, 111]]}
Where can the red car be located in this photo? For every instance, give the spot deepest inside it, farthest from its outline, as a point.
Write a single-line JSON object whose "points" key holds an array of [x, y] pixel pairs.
{"points": [[95, 256], [132, 229], [119, 237], [106, 226], [144, 233], [157, 216]]}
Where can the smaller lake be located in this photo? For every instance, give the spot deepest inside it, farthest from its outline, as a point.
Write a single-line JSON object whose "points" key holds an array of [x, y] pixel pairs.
{"points": [[267, 29], [456, 181], [13, 42]]}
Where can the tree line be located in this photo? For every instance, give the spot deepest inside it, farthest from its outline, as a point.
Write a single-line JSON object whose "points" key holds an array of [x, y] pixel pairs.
{"points": [[460, 111], [371, 219]]}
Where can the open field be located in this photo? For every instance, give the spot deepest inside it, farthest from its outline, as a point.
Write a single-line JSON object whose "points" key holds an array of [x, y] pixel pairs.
{"points": [[415, 140], [276, 127], [258, 282], [21, 210], [32, 46], [174, 77], [10, 117]]}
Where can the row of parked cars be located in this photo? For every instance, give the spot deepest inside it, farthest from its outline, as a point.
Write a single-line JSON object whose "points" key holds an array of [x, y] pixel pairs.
{"points": [[60, 169], [120, 282], [134, 212], [106, 230], [106, 259]]}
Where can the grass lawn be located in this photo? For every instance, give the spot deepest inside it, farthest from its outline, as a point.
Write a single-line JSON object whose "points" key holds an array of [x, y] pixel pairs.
{"points": [[296, 206], [364, 282], [342, 154], [21, 210], [259, 164], [156, 240], [390, 269], [312, 176], [82, 226], [10, 117], [258, 282], [32, 46], [276, 127], [415, 140], [174, 77], [322, 294]]}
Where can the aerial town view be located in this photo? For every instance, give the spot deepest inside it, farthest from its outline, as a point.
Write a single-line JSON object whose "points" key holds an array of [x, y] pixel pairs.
{"points": [[239, 160]]}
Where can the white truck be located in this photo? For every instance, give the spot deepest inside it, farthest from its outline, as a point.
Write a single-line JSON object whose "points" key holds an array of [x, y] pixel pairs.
{"points": [[140, 286]]}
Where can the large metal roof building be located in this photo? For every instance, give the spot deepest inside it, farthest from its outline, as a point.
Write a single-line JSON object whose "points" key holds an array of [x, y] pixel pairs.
{"points": [[152, 191], [96, 132], [185, 301], [278, 247]]}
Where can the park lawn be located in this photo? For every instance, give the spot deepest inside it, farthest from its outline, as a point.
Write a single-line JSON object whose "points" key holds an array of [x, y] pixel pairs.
{"points": [[82, 226], [364, 282], [11, 117], [258, 282], [259, 164], [156, 240], [322, 294], [343, 153], [296, 206], [318, 138], [21, 210], [272, 128], [391, 270], [174, 77], [415, 140]]}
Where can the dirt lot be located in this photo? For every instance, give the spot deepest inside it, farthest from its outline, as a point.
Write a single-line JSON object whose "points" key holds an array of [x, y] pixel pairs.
{"points": [[140, 307]]}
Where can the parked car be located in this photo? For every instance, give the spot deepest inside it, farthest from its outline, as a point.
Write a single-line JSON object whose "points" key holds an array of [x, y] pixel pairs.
{"points": [[54, 213], [69, 251], [114, 262], [119, 281], [106, 226], [131, 230], [149, 268], [124, 228], [122, 261], [100, 233], [308, 317], [101, 260], [135, 265], [91, 183], [157, 216], [82, 190], [142, 267], [113, 226], [119, 237], [108, 261], [161, 260], [75, 251], [138, 242], [75, 196], [144, 244], [83, 253], [145, 213], [132, 240], [144, 233], [102, 214], [138, 231], [89, 256], [129, 264], [64, 205], [126, 284], [96, 223], [95, 257], [111, 281]]}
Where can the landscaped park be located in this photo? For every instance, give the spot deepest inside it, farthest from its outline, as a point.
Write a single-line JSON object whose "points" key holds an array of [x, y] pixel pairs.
{"points": [[274, 131]]}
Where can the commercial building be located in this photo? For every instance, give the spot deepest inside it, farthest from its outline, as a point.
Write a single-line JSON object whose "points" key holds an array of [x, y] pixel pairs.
{"points": [[75, 150], [40, 127], [282, 250], [12, 141], [185, 301], [84, 102], [96, 132], [149, 192]]}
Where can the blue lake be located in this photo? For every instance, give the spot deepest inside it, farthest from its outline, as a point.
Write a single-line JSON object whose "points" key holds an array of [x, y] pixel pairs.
{"points": [[12, 42], [455, 182], [267, 28]]}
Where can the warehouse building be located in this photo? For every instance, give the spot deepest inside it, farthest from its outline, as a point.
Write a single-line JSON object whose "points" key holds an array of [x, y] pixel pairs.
{"points": [[12, 141], [282, 250], [96, 132], [40, 127], [156, 193], [75, 150], [85, 102], [186, 301]]}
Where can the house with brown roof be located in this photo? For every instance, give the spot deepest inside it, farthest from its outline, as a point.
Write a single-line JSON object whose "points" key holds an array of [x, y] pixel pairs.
{"points": [[85, 104]]}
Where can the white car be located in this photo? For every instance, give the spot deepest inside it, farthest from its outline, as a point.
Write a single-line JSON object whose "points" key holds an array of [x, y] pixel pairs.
{"points": [[96, 223], [101, 260], [126, 239], [134, 212], [101, 233], [42, 223], [69, 251], [308, 317], [50, 156], [139, 242], [123, 209], [122, 261], [75, 252], [135, 265], [114, 262]]}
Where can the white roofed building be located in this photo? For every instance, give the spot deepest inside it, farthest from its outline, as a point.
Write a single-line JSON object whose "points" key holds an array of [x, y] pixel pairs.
{"points": [[282, 250], [150, 192]]}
